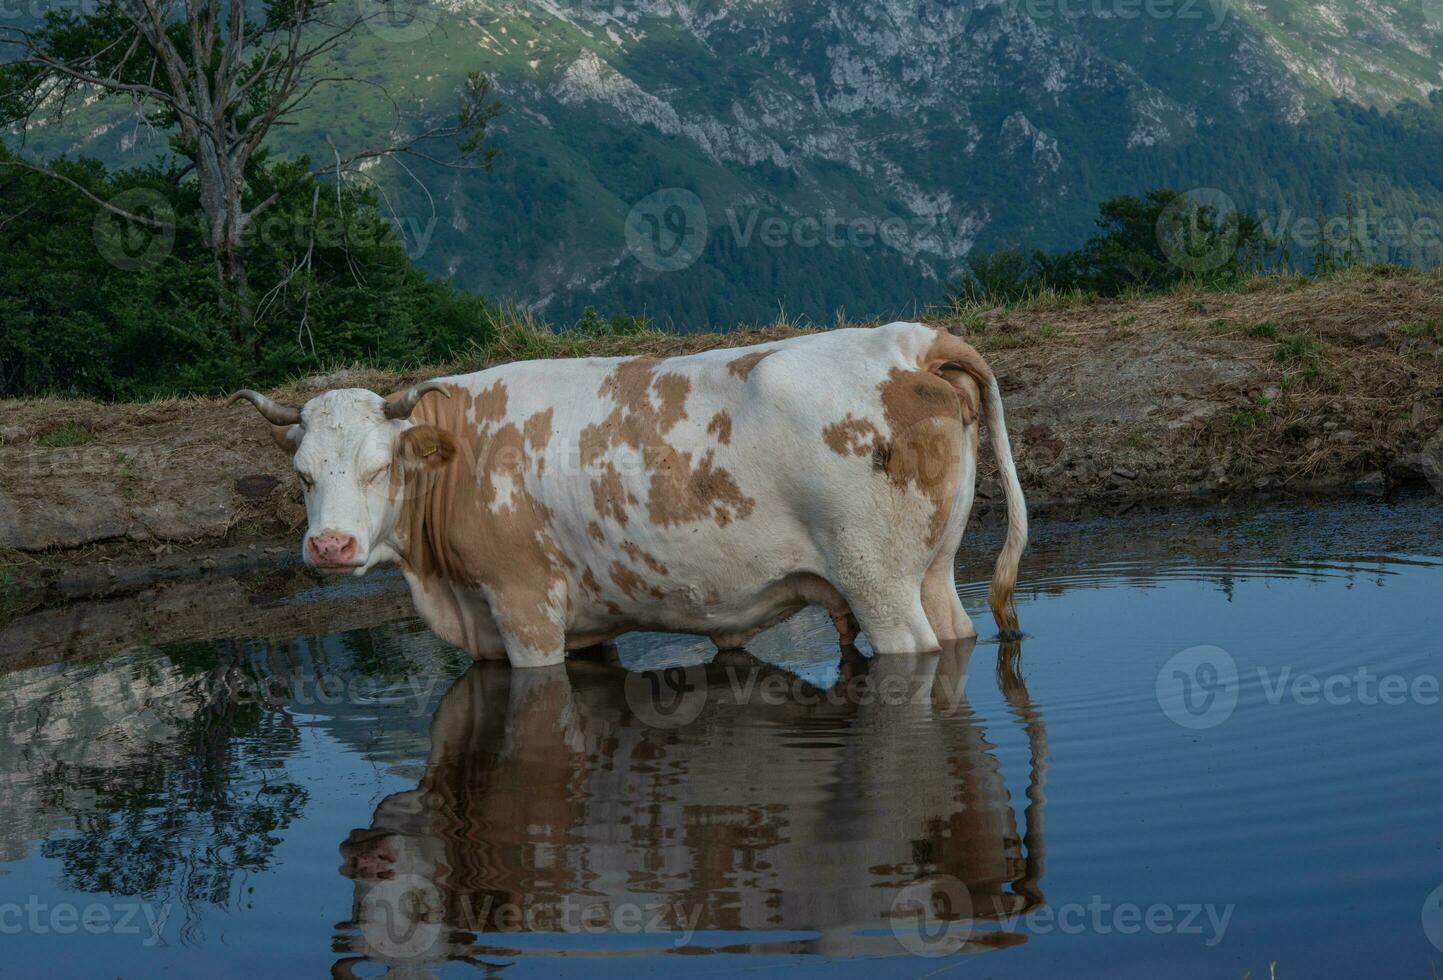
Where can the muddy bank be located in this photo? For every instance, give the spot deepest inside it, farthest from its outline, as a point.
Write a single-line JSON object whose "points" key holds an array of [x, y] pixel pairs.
{"points": [[278, 604], [1280, 387]]}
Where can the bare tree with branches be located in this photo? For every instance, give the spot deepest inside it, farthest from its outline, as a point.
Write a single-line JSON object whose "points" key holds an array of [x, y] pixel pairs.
{"points": [[220, 81]]}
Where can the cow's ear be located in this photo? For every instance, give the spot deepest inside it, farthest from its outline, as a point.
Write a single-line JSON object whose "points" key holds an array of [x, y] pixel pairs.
{"points": [[288, 437], [426, 447]]}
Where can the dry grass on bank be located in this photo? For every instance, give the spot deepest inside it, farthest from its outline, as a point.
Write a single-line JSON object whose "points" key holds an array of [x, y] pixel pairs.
{"points": [[1360, 348]]}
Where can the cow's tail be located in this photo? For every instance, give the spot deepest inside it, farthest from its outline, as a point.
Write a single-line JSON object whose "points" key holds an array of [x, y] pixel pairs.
{"points": [[963, 359], [1004, 577]]}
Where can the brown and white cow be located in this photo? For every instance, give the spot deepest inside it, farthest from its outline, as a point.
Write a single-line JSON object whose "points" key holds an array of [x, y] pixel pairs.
{"points": [[547, 506]]}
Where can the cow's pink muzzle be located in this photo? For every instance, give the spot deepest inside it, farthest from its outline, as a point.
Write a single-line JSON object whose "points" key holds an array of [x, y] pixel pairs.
{"points": [[331, 549]]}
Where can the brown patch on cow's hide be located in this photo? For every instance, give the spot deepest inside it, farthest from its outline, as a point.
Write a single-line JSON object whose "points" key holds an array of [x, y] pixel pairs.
{"points": [[455, 525], [960, 365], [924, 414], [743, 366], [490, 405], [538, 429], [648, 403], [627, 580], [636, 420], [538, 436], [594, 529], [609, 495], [852, 436], [636, 553], [721, 427], [682, 493]]}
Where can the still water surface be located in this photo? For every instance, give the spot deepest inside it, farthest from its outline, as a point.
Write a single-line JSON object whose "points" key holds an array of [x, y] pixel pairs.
{"points": [[1088, 804]]}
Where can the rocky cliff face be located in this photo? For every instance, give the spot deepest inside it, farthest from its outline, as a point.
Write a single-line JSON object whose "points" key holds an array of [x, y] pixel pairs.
{"points": [[949, 122], [921, 129]]}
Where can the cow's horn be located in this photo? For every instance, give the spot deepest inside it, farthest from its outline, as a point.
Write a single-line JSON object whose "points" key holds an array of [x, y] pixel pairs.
{"points": [[274, 412], [402, 407]]}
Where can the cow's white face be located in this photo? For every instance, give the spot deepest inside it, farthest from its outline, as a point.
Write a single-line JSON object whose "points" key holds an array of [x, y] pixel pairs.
{"points": [[354, 464]]}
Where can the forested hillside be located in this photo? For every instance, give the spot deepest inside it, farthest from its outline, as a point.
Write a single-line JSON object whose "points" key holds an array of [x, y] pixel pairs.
{"points": [[848, 156]]}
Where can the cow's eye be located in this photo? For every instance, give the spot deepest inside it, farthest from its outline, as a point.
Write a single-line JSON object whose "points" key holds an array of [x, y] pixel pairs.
{"points": [[375, 475], [307, 482]]}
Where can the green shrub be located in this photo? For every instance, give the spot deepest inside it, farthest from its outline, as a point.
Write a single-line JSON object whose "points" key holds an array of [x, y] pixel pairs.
{"points": [[593, 324], [86, 310], [1145, 245]]}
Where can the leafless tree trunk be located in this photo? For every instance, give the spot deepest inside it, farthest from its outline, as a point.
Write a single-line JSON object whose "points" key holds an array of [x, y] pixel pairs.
{"points": [[221, 82]]}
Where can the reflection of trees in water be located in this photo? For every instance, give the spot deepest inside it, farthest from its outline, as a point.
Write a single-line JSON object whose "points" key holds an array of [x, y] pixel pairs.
{"points": [[161, 773], [168, 766], [186, 818]]}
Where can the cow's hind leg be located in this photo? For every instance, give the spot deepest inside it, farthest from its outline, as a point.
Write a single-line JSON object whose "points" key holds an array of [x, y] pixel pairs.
{"points": [[939, 598], [939, 585], [891, 614]]}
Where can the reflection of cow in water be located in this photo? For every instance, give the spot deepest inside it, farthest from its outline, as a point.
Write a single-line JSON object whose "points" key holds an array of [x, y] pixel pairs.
{"points": [[548, 807]]}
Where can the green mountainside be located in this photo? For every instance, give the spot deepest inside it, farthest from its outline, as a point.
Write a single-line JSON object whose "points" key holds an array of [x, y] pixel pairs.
{"points": [[846, 155]]}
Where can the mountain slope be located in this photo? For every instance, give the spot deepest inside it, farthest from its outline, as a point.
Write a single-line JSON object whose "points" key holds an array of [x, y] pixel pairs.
{"points": [[848, 154]]}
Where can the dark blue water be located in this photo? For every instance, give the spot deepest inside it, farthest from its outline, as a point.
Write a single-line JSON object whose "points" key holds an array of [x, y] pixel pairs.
{"points": [[1216, 749]]}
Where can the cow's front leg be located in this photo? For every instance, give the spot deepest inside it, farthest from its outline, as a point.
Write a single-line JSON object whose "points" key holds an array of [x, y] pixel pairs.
{"points": [[532, 626]]}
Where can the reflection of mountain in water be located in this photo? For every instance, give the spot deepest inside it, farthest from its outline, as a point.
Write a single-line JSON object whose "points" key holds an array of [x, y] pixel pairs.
{"points": [[162, 771], [79, 719], [781, 809]]}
